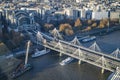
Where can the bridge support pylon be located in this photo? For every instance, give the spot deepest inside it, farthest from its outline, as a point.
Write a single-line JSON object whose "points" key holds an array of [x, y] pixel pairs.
{"points": [[79, 62], [103, 70], [60, 54]]}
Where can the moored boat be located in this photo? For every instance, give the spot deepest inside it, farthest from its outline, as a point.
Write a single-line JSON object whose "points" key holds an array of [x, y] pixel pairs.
{"points": [[66, 61], [21, 70], [89, 39], [40, 53]]}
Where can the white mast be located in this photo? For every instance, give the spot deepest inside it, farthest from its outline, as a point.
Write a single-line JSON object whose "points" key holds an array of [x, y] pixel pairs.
{"points": [[27, 51]]}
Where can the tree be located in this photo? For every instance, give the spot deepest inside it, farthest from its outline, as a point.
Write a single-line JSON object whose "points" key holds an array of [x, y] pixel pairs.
{"points": [[87, 28], [78, 23], [61, 28], [101, 26], [103, 23], [114, 21], [48, 26], [89, 22], [64, 26], [94, 25], [69, 32]]}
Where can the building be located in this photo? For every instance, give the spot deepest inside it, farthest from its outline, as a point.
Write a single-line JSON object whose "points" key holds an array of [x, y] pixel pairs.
{"points": [[114, 15], [99, 15], [78, 1], [83, 14], [41, 12], [88, 14], [68, 12], [46, 1], [76, 13], [32, 0]]}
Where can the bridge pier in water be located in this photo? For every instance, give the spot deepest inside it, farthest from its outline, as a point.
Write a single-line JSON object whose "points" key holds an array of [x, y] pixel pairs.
{"points": [[79, 62], [102, 70], [60, 54]]}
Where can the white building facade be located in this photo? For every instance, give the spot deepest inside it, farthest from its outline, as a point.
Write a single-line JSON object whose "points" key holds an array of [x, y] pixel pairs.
{"points": [[114, 15], [78, 1], [99, 15]]}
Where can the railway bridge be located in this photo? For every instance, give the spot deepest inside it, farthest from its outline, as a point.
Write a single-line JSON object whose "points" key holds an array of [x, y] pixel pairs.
{"points": [[91, 55]]}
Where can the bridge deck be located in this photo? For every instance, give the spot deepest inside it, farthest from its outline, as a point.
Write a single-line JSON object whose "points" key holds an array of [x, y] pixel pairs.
{"points": [[86, 57]]}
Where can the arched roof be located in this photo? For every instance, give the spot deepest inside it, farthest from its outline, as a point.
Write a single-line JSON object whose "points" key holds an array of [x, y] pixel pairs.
{"points": [[22, 19], [21, 13]]}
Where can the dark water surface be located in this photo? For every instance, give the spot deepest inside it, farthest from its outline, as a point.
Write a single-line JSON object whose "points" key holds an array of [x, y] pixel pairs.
{"points": [[47, 67]]}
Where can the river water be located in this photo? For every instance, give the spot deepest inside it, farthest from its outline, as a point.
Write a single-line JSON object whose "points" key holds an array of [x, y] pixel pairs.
{"points": [[47, 67]]}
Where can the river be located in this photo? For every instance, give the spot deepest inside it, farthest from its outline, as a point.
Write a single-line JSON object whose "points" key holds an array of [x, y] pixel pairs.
{"points": [[47, 67]]}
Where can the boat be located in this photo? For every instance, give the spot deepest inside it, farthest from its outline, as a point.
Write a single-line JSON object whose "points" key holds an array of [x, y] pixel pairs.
{"points": [[89, 39], [40, 53], [66, 61], [21, 70], [22, 67], [80, 39]]}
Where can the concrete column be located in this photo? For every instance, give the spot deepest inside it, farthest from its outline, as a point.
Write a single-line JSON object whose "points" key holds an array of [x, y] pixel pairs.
{"points": [[60, 54], [102, 71], [79, 62], [6, 14], [27, 51]]}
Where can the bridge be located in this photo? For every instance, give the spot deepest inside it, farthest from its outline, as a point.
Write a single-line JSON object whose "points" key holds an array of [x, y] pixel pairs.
{"points": [[115, 75], [91, 55]]}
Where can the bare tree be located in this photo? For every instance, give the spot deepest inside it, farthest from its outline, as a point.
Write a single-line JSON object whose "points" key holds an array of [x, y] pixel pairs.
{"points": [[87, 29], [69, 32], [103, 23], [48, 27], [64, 26], [78, 23], [94, 25]]}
